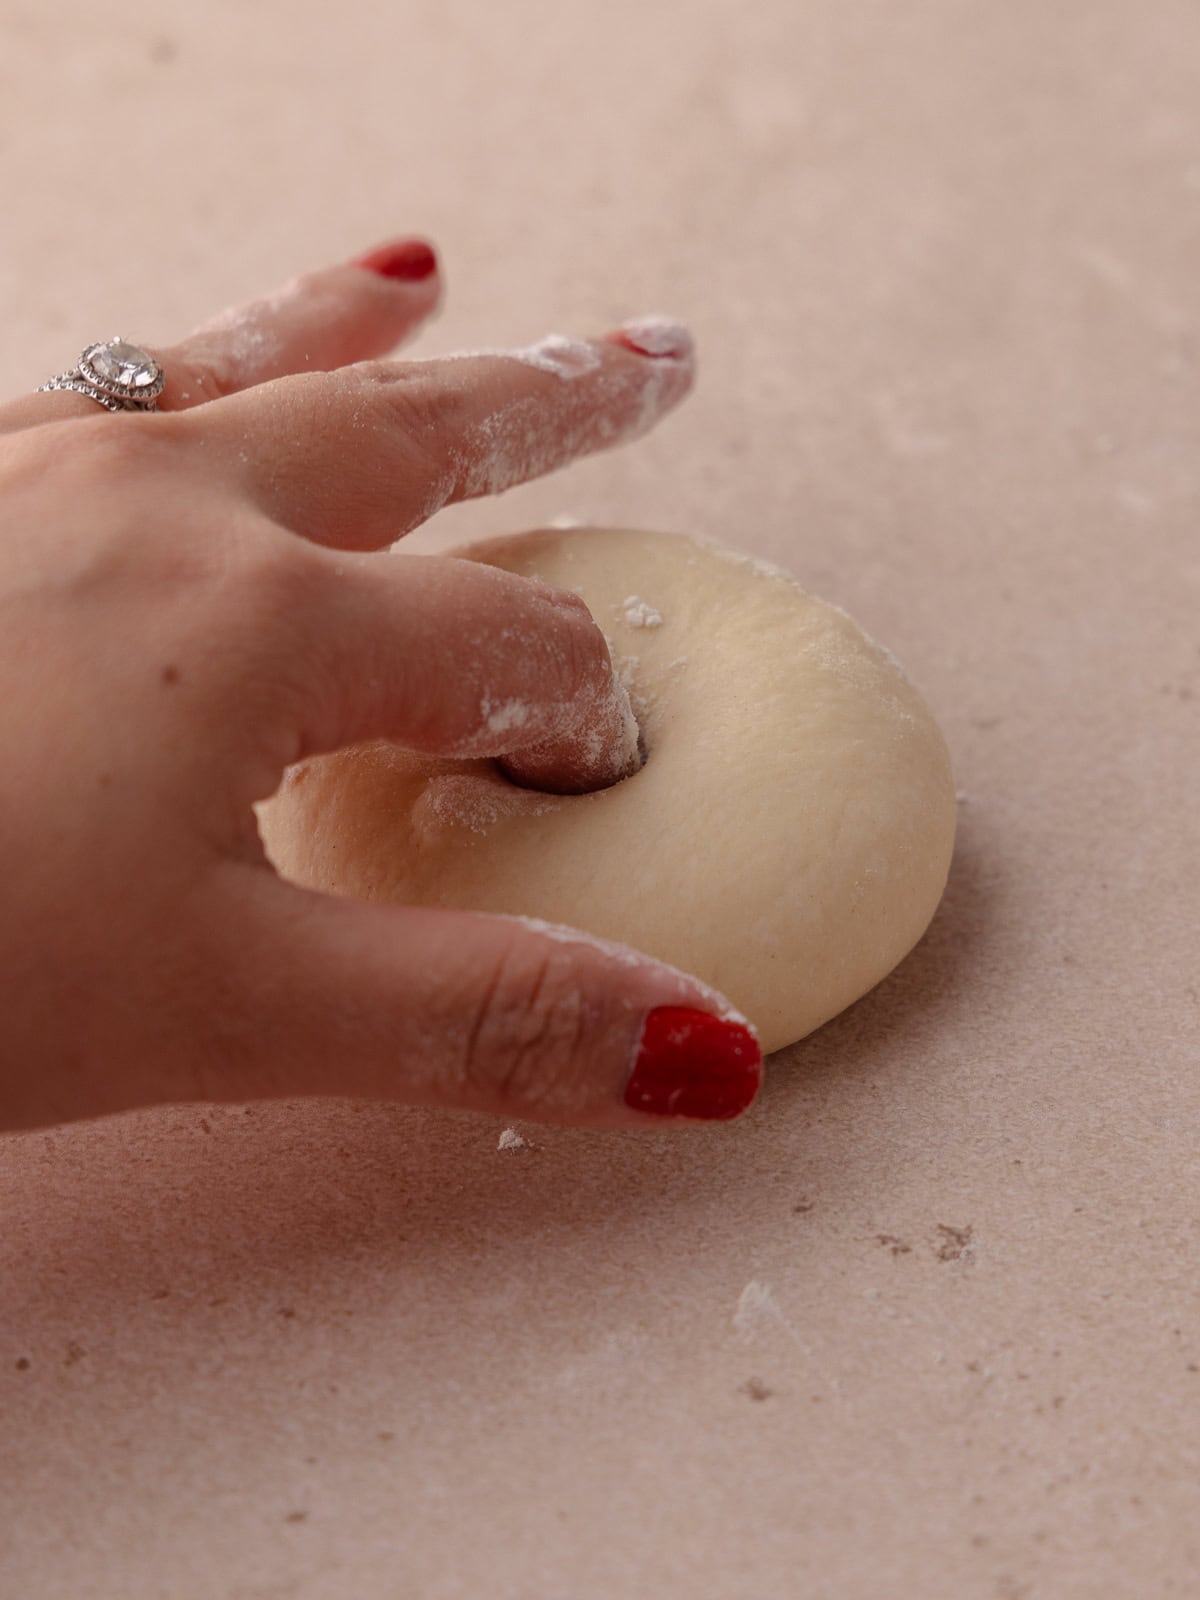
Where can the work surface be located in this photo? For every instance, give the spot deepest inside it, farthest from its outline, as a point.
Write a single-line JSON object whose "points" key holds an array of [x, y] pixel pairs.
{"points": [[926, 1324]]}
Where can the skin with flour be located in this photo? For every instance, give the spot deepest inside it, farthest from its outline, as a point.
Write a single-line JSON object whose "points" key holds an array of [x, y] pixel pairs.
{"points": [[787, 839]]}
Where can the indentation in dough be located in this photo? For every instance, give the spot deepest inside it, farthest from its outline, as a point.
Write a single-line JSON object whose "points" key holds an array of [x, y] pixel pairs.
{"points": [[789, 835]]}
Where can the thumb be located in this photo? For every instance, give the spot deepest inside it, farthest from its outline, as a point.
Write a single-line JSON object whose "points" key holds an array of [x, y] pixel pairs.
{"points": [[473, 1011]]}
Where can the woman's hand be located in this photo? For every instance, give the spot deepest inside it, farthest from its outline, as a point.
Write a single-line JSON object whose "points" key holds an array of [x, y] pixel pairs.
{"points": [[184, 612]]}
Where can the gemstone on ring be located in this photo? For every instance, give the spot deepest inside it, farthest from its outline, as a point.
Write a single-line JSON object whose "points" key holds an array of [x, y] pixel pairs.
{"points": [[123, 369]]}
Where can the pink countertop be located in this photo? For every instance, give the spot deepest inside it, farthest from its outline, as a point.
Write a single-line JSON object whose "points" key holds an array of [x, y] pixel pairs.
{"points": [[927, 1323]]}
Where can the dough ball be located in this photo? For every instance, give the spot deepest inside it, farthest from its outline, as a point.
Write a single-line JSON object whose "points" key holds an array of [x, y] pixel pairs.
{"points": [[787, 839]]}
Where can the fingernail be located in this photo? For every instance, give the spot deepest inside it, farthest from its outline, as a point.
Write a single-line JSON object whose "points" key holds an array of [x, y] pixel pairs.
{"points": [[657, 336], [408, 262], [692, 1064]]}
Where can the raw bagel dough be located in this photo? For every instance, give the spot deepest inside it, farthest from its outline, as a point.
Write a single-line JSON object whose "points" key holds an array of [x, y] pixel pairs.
{"points": [[787, 840]]}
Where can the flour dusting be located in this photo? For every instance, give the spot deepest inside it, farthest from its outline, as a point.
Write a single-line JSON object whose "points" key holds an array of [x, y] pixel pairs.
{"points": [[506, 715], [757, 565], [756, 1304], [510, 1139], [476, 802], [659, 336], [640, 614], [598, 403], [247, 333], [630, 728], [248, 347], [628, 957], [565, 358]]}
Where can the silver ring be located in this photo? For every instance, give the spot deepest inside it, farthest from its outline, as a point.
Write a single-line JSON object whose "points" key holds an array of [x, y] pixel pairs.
{"points": [[115, 374]]}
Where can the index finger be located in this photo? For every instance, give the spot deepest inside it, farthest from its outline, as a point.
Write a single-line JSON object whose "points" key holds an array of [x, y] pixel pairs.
{"points": [[358, 457]]}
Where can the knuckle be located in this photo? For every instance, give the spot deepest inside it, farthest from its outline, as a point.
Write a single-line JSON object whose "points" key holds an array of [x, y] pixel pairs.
{"points": [[268, 671], [576, 649], [529, 1033], [579, 654], [424, 414], [411, 387], [587, 661]]}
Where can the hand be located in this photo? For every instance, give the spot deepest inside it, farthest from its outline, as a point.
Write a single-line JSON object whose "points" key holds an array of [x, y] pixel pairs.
{"points": [[185, 611]]}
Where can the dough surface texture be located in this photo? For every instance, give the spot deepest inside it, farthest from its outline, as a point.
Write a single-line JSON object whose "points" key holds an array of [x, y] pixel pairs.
{"points": [[787, 839]]}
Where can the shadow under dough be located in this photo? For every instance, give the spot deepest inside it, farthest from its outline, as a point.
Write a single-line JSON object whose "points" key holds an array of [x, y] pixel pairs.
{"points": [[931, 984]]}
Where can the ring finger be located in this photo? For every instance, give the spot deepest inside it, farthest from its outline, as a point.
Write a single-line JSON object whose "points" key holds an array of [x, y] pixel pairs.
{"points": [[319, 321]]}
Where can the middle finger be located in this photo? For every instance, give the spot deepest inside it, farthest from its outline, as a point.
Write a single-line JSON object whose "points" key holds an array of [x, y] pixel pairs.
{"points": [[355, 458]]}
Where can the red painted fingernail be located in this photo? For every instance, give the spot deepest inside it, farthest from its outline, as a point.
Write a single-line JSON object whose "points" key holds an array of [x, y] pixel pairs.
{"points": [[409, 262], [657, 336], [692, 1064]]}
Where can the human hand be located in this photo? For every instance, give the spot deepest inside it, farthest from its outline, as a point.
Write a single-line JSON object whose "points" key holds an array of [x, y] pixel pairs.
{"points": [[186, 610]]}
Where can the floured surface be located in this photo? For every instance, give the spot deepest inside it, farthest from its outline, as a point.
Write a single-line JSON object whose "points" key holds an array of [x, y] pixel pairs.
{"points": [[786, 841], [942, 264]]}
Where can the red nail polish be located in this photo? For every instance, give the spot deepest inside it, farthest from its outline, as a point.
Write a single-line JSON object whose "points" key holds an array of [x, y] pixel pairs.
{"points": [[408, 262], [692, 1064], [657, 336]]}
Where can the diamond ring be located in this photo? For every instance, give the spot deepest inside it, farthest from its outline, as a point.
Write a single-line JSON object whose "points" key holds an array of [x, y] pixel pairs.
{"points": [[115, 374]]}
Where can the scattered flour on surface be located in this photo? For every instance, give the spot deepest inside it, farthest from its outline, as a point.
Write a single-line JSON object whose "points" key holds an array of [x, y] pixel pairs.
{"points": [[758, 1310], [756, 1305], [626, 668], [640, 614], [510, 1139]]}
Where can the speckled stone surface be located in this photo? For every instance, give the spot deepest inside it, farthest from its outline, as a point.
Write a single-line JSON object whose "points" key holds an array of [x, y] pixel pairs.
{"points": [[927, 1323]]}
